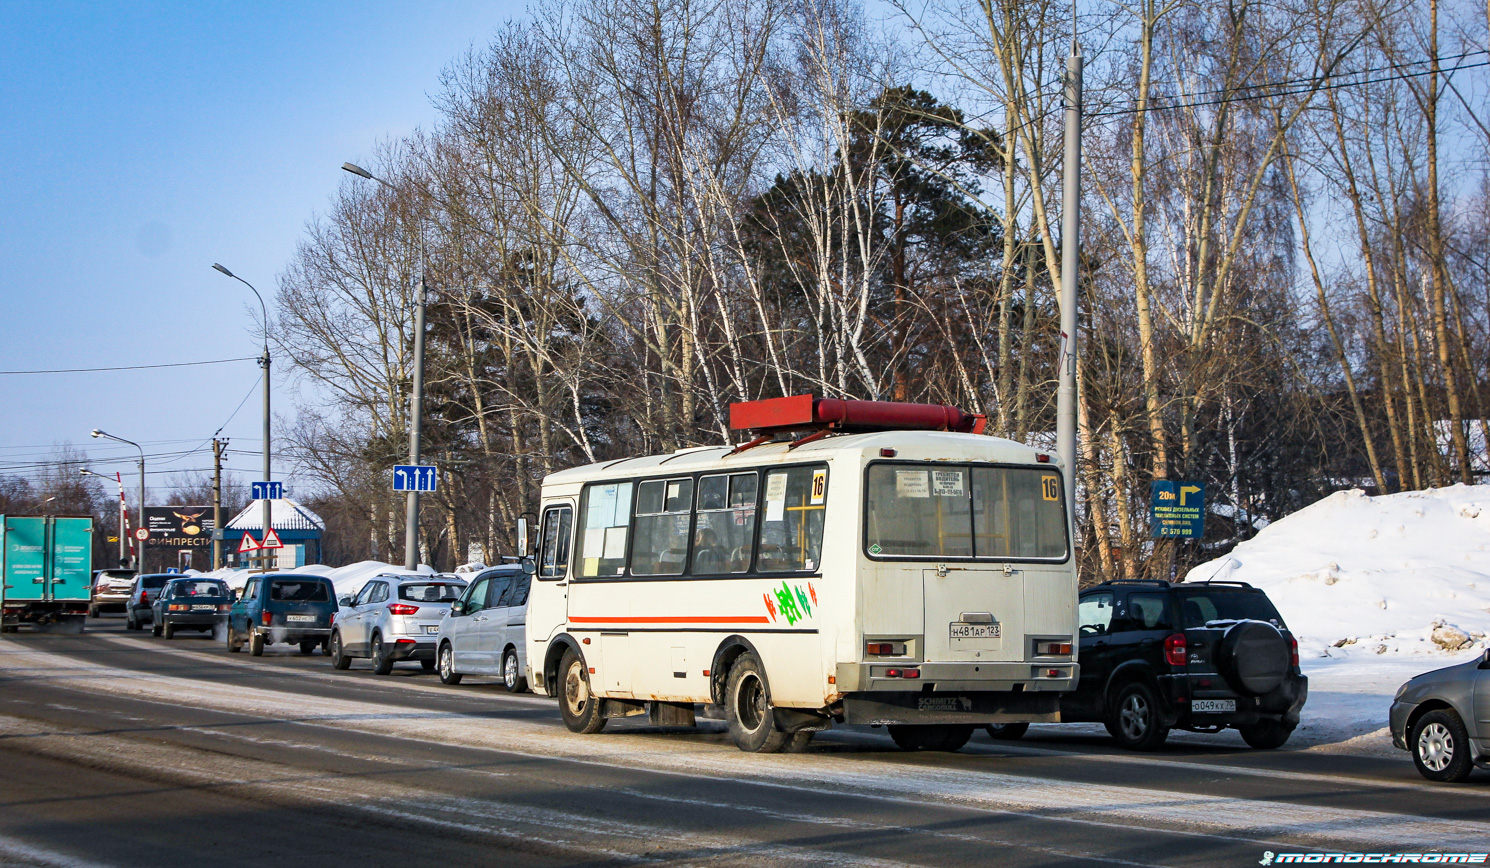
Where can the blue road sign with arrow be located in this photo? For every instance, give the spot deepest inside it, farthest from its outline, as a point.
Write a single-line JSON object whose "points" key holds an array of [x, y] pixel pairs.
{"points": [[414, 477], [268, 490]]}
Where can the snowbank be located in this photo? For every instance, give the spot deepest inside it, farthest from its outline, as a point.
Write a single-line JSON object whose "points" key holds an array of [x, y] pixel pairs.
{"points": [[350, 579], [1359, 577]]}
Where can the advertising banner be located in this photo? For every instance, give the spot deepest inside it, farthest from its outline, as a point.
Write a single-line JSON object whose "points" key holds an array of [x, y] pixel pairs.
{"points": [[178, 527]]}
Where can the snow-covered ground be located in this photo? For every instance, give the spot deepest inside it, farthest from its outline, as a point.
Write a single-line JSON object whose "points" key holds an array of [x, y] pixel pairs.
{"points": [[1377, 590]]}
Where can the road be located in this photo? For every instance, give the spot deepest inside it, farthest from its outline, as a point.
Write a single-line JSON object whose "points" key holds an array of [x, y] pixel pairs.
{"points": [[118, 748]]}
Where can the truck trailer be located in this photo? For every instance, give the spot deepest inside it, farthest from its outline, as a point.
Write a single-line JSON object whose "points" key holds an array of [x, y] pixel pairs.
{"points": [[45, 570]]}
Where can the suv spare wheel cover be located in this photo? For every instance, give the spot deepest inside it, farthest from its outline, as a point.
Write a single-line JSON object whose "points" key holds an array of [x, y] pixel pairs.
{"points": [[1253, 657]]}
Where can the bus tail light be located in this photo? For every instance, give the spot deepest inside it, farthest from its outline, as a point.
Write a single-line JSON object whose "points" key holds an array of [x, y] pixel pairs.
{"points": [[1061, 648], [902, 673], [1174, 649], [911, 673], [402, 609], [885, 649]]}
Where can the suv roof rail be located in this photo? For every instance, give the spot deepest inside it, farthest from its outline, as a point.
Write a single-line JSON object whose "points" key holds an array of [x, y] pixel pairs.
{"points": [[1159, 582], [1220, 582]]}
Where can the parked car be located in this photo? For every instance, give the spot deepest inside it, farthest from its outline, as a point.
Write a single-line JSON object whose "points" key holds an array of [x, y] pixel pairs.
{"points": [[111, 590], [1201, 656], [394, 617], [485, 632], [1443, 719], [137, 611], [197, 604], [279, 607]]}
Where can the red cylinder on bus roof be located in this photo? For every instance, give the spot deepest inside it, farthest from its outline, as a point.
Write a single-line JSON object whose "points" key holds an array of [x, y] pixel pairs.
{"points": [[805, 411]]}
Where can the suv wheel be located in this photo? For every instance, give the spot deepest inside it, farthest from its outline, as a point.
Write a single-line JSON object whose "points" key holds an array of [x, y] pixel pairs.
{"points": [[1266, 734], [1440, 747], [579, 706], [446, 664], [235, 642], [255, 642], [382, 663], [512, 675], [1134, 718], [339, 658], [943, 737], [1007, 731]]}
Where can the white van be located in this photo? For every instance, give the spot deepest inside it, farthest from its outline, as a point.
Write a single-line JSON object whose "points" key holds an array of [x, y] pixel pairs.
{"points": [[921, 579], [483, 632]]}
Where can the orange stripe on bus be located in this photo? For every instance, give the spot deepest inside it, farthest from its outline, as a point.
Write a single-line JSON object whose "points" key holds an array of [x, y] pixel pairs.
{"points": [[704, 619]]}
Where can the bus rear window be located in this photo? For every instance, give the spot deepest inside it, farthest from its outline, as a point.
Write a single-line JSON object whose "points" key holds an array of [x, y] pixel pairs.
{"points": [[962, 511]]}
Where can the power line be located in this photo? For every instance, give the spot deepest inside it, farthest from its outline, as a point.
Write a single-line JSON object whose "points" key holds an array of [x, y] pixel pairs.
{"points": [[1321, 83], [130, 367]]}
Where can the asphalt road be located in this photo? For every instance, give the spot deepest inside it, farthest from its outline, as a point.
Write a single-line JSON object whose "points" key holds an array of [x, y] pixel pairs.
{"points": [[117, 748]]}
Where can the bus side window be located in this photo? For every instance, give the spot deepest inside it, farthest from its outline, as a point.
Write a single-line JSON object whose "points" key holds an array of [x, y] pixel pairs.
{"points": [[604, 519], [664, 509], [725, 524], [791, 536], [554, 549]]}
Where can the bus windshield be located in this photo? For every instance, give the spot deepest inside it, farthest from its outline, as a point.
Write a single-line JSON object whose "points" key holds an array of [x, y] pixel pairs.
{"points": [[964, 511]]}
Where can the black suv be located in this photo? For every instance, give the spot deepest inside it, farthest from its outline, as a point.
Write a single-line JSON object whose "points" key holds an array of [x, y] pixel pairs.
{"points": [[1200, 656]]}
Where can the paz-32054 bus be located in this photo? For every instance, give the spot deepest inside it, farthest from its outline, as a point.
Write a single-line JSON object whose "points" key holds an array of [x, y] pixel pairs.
{"points": [[858, 562]]}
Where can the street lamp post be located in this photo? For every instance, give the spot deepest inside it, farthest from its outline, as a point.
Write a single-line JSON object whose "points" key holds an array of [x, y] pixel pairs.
{"points": [[86, 472], [140, 558], [263, 363], [416, 402]]}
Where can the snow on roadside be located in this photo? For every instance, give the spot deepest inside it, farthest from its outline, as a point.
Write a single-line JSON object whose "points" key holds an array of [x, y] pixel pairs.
{"points": [[1377, 590], [1399, 574]]}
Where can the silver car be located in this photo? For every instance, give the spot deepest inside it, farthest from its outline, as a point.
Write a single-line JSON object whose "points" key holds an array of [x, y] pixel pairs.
{"points": [[1443, 719], [485, 631], [394, 617]]}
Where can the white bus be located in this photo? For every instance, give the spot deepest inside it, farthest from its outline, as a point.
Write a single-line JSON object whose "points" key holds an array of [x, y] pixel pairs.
{"points": [[918, 579]]}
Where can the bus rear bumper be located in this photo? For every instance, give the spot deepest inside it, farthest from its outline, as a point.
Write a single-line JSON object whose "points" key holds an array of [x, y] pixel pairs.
{"points": [[976, 708], [1022, 677]]}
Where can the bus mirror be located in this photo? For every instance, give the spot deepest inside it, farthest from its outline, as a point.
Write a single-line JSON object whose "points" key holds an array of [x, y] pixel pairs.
{"points": [[522, 536]]}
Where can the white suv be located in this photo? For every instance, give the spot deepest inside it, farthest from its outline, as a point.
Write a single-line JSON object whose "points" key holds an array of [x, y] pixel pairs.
{"points": [[486, 629], [393, 617]]}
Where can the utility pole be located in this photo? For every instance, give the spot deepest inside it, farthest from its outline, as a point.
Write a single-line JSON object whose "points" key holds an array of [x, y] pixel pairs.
{"points": [[217, 449], [1065, 413], [416, 413]]}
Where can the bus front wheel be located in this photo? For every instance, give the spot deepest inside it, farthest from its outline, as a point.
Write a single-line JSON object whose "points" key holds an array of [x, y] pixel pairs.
{"points": [[578, 704], [752, 721]]}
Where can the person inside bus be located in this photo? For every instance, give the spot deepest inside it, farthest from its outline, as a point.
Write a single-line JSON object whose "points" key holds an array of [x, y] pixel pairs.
{"points": [[707, 556]]}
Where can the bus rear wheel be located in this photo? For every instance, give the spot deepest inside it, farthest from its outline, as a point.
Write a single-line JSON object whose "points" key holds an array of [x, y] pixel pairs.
{"points": [[747, 708], [943, 737], [577, 703]]}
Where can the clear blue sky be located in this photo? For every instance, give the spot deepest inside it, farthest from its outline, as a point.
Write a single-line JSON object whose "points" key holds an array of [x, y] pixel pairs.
{"points": [[142, 142]]}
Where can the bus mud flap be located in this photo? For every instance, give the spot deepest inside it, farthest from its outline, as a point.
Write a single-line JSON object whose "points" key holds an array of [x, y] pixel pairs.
{"points": [[801, 720], [622, 707], [671, 713]]}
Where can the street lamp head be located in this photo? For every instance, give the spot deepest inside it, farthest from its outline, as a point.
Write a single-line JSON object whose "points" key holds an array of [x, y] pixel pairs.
{"points": [[358, 171], [224, 270], [97, 433]]}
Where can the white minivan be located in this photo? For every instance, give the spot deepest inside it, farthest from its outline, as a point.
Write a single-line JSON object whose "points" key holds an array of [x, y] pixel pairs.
{"points": [[484, 632]]}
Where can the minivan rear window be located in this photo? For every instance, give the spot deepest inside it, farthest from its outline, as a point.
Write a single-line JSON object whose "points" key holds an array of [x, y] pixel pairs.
{"points": [[431, 592], [301, 591], [1201, 607]]}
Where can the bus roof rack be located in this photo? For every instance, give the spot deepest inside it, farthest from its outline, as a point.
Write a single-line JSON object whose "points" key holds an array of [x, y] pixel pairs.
{"points": [[808, 413]]}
